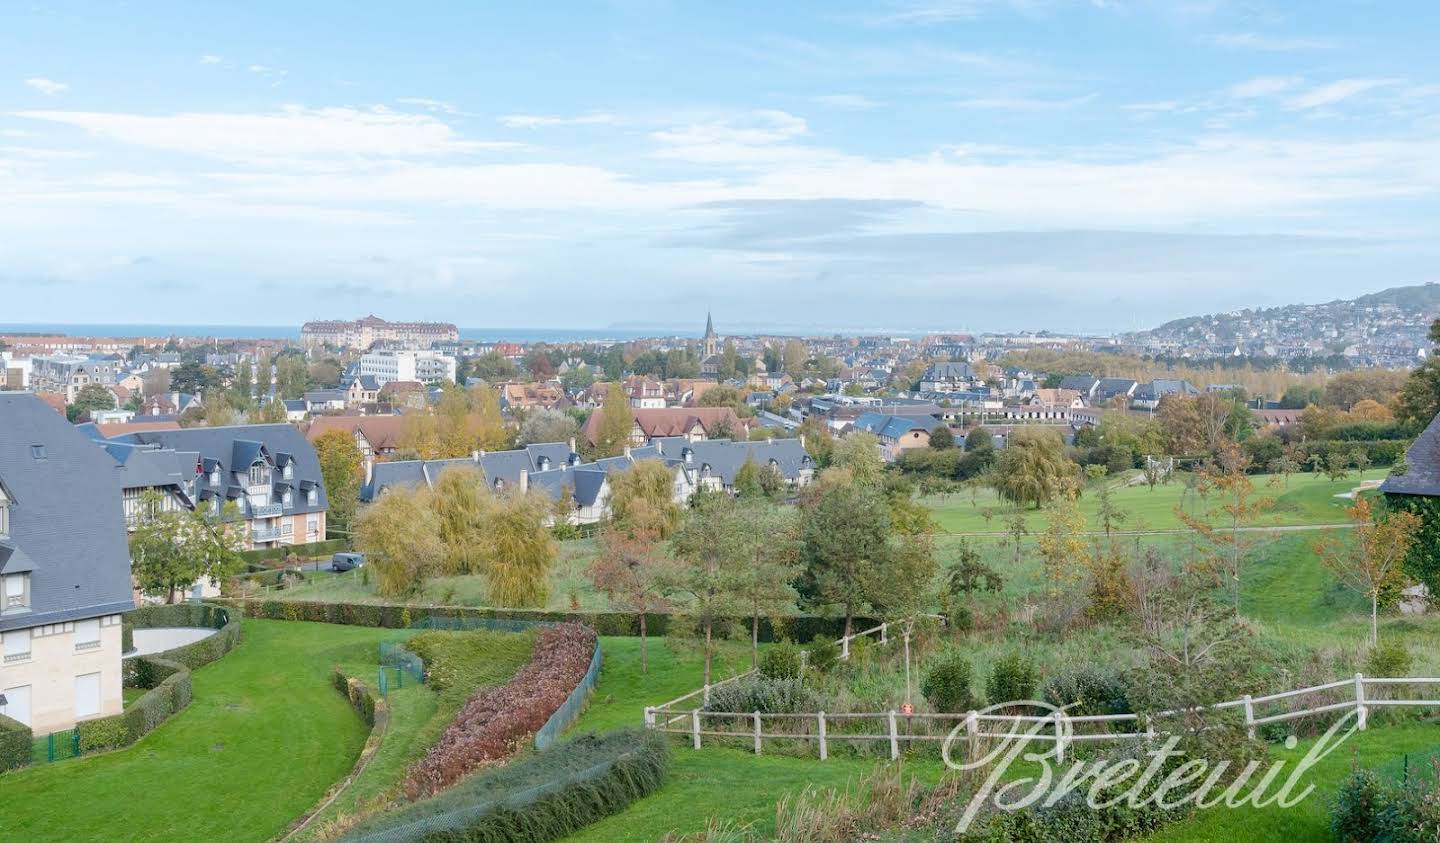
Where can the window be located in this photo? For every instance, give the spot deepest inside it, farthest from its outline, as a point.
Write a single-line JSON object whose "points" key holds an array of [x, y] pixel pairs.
{"points": [[17, 645], [215, 476], [289, 472], [287, 500], [312, 497], [37, 453], [87, 634], [4, 515], [17, 591], [87, 695], [259, 474], [17, 704]]}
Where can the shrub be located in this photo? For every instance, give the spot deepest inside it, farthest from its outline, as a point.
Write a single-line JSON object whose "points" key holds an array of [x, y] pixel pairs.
{"points": [[1356, 813], [1084, 691], [782, 661], [961, 619], [545, 796], [127, 636], [15, 743], [862, 652], [947, 685], [1012, 678], [104, 733], [767, 696], [1389, 659], [824, 654], [490, 725]]}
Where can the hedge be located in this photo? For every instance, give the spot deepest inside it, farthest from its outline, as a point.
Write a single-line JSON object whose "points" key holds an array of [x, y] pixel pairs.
{"points": [[400, 616], [545, 796], [325, 548], [166, 675], [370, 709], [16, 741]]}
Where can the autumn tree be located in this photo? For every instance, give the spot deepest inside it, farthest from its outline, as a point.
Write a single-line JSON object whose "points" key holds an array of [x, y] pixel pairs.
{"points": [[518, 553], [642, 497], [1234, 505], [341, 470], [547, 425], [1062, 544], [490, 430], [461, 503], [1371, 559], [616, 422], [859, 453], [400, 534], [1033, 468], [709, 552], [844, 528], [793, 358]]}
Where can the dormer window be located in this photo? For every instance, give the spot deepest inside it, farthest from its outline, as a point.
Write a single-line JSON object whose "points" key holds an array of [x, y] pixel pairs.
{"points": [[543, 463], [17, 592], [312, 498], [259, 473], [289, 472], [287, 500], [4, 515], [215, 476]]}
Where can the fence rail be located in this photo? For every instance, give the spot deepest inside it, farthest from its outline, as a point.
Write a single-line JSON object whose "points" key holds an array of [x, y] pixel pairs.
{"points": [[819, 727]]}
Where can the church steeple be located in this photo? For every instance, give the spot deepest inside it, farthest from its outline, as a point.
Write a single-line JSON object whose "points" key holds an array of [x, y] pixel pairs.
{"points": [[712, 341]]}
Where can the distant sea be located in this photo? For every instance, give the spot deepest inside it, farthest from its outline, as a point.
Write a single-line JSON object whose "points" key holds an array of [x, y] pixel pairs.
{"points": [[292, 332]]}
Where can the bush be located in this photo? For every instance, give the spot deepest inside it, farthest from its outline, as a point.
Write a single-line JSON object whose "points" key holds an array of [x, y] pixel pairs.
{"points": [[947, 685], [960, 619], [1389, 659], [767, 696], [1012, 678], [127, 635], [104, 733], [782, 661], [824, 654], [1085, 691], [545, 796], [326, 548], [16, 740], [1356, 813], [373, 711]]}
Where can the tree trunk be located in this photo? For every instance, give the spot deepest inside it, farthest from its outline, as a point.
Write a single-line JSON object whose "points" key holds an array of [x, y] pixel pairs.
{"points": [[849, 617], [707, 652], [644, 656], [1375, 618], [170, 595], [755, 640]]}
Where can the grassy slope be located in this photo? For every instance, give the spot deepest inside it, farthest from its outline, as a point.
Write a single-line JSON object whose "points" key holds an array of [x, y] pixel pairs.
{"points": [[265, 737], [1307, 499]]}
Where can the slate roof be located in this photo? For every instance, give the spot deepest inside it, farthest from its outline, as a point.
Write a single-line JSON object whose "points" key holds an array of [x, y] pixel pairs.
{"points": [[725, 457], [66, 523], [1108, 388], [1080, 383], [1422, 466], [235, 447], [948, 372], [893, 426], [504, 466], [1160, 387]]}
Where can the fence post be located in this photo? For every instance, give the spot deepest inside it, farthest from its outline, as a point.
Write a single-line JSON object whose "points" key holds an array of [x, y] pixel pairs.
{"points": [[384, 685], [1059, 738], [695, 728], [845, 647], [1362, 714], [649, 717], [824, 751], [1149, 728], [882, 633], [50, 746], [1249, 717], [972, 728], [399, 677], [75, 742], [894, 736], [756, 715]]}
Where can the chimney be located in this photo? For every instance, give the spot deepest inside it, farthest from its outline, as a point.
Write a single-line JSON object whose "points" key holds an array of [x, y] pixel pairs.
{"points": [[369, 470], [572, 445], [627, 452], [524, 481]]}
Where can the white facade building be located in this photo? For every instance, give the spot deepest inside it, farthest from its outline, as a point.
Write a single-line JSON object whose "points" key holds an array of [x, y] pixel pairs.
{"points": [[407, 365]]}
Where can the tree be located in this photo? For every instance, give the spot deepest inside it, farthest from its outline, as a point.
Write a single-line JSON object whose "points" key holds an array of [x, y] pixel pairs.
{"points": [[1236, 505], [1107, 512], [845, 528], [173, 548], [547, 425], [631, 570], [400, 534], [271, 412], [420, 436], [89, 398], [538, 364], [518, 551], [1371, 559], [942, 438], [819, 441], [642, 499], [968, 576], [341, 468], [196, 378], [461, 503], [242, 386], [616, 423], [860, 454], [489, 423], [979, 439], [492, 367], [709, 552], [721, 395], [770, 544], [793, 357], [1346, 390], [747, 481], [292, 376], [1062, 544], [1033, 468]]}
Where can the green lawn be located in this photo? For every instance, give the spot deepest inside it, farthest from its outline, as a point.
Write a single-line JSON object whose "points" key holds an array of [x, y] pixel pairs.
{"points": [[264, 738], [1306, 499]]}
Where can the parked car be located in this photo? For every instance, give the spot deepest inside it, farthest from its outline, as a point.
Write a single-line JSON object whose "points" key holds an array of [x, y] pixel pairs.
{"points": [[346, 561]]}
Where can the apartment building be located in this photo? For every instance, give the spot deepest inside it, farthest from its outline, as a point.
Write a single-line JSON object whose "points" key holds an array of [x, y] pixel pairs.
{"points": [[64, 571], [390, 365], [363, 333]]}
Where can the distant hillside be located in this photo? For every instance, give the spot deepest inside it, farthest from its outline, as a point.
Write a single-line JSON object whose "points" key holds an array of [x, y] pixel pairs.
{"points": [[1387, 328]]}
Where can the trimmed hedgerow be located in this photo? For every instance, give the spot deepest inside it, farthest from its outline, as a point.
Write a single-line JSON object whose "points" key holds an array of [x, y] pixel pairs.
{"points": [[15, 744], [545, 796], [398, 616], [198, 653], [372, 710], [494, 720], [304, 551]]}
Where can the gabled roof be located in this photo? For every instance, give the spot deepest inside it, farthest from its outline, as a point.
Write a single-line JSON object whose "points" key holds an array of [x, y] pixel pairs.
{"points": [[1422, 466], [894, 426], [725, 457], [66, 522]]}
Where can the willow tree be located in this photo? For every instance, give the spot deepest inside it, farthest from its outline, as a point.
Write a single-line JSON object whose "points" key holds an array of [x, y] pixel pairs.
{"points": [[460, 503], [1033, 469], [643, 497], [519, 551], [400, 534]]}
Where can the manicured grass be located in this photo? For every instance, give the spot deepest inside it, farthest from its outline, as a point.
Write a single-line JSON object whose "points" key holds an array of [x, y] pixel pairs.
{"points": [[264, 738], [1306, 499]]}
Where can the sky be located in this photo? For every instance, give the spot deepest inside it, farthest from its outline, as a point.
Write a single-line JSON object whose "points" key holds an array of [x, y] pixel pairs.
{"points": [[961, 165]]}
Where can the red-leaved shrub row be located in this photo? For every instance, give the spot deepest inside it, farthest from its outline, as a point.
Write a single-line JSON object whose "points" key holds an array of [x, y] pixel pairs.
{"points": [[492, 722]]}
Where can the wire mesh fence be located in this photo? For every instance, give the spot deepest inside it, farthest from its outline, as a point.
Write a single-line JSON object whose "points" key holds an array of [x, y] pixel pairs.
{"points": [[573, 707]]}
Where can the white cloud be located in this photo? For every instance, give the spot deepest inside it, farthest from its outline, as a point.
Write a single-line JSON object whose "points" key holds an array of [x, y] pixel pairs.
{"points": [[208, 59], [1264, 86], [48, 87], [1335, 92], [540, 121], [1024, 103], [1267, 43], [854, 101], [323, 135], [430, 104]]}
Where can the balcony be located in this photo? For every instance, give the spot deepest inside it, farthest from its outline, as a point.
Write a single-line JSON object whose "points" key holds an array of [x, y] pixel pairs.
{"points": [[265, 534], [265, 510], [84, 646]]}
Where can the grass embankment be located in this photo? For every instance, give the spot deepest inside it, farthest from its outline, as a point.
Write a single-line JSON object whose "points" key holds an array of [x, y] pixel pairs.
{"points": [[1305, 499], [264, 738], [418, 713]]}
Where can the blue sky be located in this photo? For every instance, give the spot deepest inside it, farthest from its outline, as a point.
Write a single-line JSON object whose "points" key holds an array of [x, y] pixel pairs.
{"points": [[906, 165]]}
